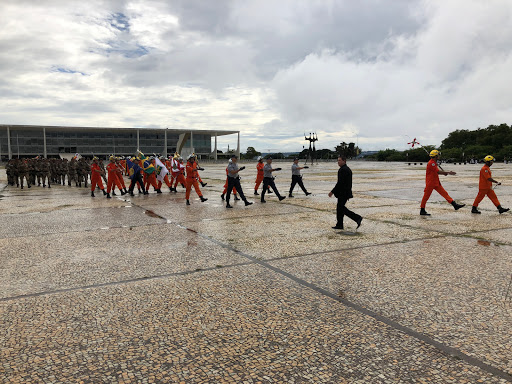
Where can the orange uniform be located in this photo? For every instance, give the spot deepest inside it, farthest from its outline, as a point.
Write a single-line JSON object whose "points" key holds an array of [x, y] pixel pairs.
{"points": [[191, 180], [96, 177], [119, 173], [432, 183], [112, 177], [178, 176], [259, 175], [485, 187]]}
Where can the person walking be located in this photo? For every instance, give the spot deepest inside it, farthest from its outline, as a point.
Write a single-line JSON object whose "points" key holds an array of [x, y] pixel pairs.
{"points": [[234, 181], [268, 180], [343, 192], [432, 183], [485, 187], [297, 177]]}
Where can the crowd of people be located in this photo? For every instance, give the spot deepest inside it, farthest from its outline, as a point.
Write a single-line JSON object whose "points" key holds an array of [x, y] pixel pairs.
{"points": [[146, 172]]}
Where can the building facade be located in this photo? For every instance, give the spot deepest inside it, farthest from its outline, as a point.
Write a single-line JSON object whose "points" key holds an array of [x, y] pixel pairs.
{"points": [[52, 141]]}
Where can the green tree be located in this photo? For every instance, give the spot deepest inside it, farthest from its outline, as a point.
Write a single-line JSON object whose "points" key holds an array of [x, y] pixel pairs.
{"points": [[251, 153]]}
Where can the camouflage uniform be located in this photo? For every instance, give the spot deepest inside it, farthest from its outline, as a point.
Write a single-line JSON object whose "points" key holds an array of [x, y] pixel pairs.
{"points": [[23, 173]]}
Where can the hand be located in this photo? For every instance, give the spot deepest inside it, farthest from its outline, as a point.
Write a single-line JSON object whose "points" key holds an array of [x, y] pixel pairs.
{"points": [[306, 167], [241, 168], [452, 173], [498, 183], [200, 169], [330, 194], [278, 169]]}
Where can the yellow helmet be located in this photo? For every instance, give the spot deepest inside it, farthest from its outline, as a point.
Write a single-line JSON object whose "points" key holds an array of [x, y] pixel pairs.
{"points": [[434, 153], [112, 158], [489, 158]]}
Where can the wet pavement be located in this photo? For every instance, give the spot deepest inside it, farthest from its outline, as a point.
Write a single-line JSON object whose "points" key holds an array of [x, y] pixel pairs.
{"points": [[148, 290]]}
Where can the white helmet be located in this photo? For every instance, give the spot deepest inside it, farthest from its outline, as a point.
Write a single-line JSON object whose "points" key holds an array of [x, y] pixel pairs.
{"points": [[259, 158]]}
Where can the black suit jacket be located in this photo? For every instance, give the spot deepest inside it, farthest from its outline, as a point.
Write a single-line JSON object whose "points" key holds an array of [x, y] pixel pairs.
{"points": [[343, 188]]}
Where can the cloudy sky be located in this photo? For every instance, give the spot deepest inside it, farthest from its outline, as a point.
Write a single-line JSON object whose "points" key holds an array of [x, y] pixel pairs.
{"points": [[375, 72]]}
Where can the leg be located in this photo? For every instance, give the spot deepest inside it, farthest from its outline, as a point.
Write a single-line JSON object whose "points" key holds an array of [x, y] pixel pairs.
{"points": [[479, 197], [443, 193], [426, 195], [294, 182]]}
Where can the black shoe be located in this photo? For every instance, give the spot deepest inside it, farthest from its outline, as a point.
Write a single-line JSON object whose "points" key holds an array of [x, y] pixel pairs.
{"points": [[229, 206], [457, 206], [183, 185], [146, 192], [236, 198], [256, 193], [308, 193], [92, 193], [114, 194], [281, 198], [49, 186], [502, 210], [188, 202], [108, 196], [104, 192], [263, 201], [359, 222], [170, 190], [158, 191], [337, 227], [475, 210], [203, 199], [123, 193], [131, 194], [222, 197], [248, 203], [290, 195], [423, 212], [203, 184], [140, 191]]}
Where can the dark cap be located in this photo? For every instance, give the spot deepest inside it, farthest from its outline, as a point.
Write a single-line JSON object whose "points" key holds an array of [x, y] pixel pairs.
{"points": [[234, 157], [295, 158]]}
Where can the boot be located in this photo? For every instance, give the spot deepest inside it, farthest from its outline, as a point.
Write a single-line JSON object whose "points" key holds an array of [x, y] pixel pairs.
{"points": [[281, 198], [290, 195], [228, 205], [475, 210], [123, 193], [170, 189], [263, 201], [113, 193], [203, 199], [49, 186], [108, 196], [146, 193], [104, 192], [203, 184], [92, 193], [236, 198], [457, 206], [183, 185], [158, 190], [423, 212], [131, 194], [188, 202], [256, 192], [222, 197], [308, 193], [502, 210], [247, 203]]}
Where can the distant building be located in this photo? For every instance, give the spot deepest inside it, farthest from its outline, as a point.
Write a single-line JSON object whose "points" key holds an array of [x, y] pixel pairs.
{"points": [[53, 141]]}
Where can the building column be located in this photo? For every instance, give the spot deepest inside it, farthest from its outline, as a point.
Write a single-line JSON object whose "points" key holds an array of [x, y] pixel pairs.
{"points": [[165, 145], [9, 151], [238, 146], [44, 142], [138, 145], [215, 149], [191, 142]]}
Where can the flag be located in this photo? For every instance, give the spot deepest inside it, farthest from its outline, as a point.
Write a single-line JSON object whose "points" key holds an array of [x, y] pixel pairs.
{"points": [[133, 168], [161, 170]]}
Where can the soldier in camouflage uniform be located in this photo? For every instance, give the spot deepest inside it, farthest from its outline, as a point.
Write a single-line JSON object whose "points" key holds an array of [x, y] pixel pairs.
{"points": [[31, 166], [11, 168], [72, 172], [23, 173], [45, 171], [83, 172]]}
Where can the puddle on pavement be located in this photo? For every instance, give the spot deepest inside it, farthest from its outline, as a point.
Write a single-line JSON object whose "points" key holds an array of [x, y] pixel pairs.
{"points": [[484, 243], [153, 214]]}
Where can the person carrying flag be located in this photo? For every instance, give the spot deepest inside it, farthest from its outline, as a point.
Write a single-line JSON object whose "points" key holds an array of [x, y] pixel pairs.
{"points": [[135, 175], [191, 180], [485, 187], [179, 174], [162, 173], [432, 183], [149, 172]]}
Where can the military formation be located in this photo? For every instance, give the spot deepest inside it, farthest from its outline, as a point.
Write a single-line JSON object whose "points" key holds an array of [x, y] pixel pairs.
{"points": [[145, 172]]}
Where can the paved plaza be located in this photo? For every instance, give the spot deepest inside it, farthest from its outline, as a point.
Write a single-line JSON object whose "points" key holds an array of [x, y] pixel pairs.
{"points": [[146, 289]]}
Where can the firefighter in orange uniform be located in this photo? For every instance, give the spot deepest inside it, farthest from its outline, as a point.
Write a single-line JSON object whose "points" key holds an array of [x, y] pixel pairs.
{"points": [[259, 175], [485, 187], [433, 183], [121, 165], [96, 173], [178, 174], [191, 180], [112, 177]]}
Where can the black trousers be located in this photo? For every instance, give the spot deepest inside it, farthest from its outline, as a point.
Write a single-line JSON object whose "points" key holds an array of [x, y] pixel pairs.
{"points": [[137, 177], [342, 211], [234, 182], [297, 179], [269, 182]]}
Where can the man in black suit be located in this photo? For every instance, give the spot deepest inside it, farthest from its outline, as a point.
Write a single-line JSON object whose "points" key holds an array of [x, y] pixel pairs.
{"points": [[343, 191]]}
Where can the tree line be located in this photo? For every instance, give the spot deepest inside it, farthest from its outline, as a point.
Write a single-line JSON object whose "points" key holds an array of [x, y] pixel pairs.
{"points": [[460, 145]]}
